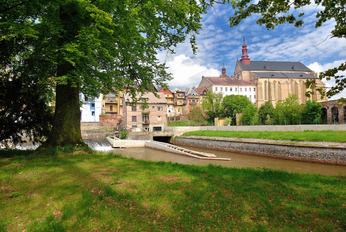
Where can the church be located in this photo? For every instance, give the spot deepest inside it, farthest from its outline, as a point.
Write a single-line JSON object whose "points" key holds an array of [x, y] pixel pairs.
{"points": [[263, 81]]}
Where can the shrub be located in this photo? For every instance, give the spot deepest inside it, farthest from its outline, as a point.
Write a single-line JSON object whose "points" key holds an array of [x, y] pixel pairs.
{"points": [[288, 112], [123, 133], [266, 113], [249, 115], [312, 112]]}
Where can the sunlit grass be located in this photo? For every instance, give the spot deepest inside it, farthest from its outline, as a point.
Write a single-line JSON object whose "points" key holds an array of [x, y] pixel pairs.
{"points": [[97, 192], [326, 136]]}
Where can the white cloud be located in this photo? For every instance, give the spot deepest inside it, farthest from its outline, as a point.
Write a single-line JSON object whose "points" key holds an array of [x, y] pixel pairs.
{"points": [[187, 72], [317, 67]]}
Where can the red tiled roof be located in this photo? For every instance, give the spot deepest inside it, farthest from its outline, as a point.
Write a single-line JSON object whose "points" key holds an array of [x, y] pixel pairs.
{"points": [[227, 81], [165, 91]]}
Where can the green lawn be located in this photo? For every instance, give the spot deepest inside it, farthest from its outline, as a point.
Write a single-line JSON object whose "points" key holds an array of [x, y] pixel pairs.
{"points": [[326, 136], [96, 192]]}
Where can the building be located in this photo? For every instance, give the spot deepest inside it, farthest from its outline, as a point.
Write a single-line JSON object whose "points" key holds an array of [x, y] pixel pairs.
{"points": [[112, 109], [193, 99], [227, 85], [276, 80], [91, 108], [334, 111], [170, 102], [147, 113], [179, 103]]}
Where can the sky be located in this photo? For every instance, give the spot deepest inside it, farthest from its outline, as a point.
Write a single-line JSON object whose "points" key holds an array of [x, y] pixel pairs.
{"points": [[219, 44]]}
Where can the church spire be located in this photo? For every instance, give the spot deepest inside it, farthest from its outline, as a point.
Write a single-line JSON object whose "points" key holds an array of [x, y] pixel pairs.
{"points": [[245, 59]]}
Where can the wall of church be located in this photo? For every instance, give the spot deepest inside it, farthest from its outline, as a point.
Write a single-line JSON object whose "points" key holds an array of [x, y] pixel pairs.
{"points": [[274, 90]]}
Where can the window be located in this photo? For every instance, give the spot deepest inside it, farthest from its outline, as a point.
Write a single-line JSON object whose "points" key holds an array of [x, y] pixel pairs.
{"points": [[245, 89], [134, 108], [160, 108], [92, 113], [236, 89], [134, 118], [254, 96], [93, 105], [215, 89], [86, 98], [254, 89], [110, 108], [230, 89], [226, 89], [221, 89], [240, 89]]}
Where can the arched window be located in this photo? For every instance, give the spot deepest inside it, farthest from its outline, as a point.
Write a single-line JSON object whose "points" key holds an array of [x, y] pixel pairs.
{"points": [[335, 114], [324, 116]]}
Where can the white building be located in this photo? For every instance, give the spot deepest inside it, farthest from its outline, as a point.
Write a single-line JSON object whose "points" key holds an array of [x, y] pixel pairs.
{"points": [[91, 108], [226, 85]]}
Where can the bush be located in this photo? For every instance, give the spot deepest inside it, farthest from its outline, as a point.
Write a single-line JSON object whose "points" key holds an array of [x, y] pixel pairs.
{"points": [[249, 115], [196, 114], [123, 134], [312, 113], [266, 113], [288, 112], [234, 104]]}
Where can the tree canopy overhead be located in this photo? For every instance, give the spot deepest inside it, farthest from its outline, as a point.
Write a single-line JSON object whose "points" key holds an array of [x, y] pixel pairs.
{"points": [[91, 46], [271, 13]]}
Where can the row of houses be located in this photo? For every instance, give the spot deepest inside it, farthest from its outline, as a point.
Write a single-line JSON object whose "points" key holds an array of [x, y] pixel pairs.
{"points": [[144, 112]]}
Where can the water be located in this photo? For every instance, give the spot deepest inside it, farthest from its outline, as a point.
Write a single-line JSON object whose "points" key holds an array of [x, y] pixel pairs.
{"points": [[99, 145], [237, 160]]}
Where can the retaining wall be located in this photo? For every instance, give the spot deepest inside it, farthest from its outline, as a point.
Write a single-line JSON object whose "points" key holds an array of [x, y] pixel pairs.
{"points": [[332, 153]]}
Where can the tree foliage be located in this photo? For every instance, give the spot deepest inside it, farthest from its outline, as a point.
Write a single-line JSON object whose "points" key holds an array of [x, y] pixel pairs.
{"points": [[266, 113], [312, 113], [212, 105], [271, 13], [233, 104], [288, 112], [91, 46], [249, 115]]}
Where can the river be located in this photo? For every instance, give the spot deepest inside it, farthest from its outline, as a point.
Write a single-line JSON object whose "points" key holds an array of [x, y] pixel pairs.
{"points": [[237, 160]]}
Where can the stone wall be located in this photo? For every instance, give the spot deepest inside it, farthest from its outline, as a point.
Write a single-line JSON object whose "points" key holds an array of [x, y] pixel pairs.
{"points": [[312, 152]]}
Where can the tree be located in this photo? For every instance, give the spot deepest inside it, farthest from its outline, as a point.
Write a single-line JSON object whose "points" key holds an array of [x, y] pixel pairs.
{"points": [[288, 112], [196, 115], [249, 115], [265, 113], [234, 104], [93, 46], [312, 113], [211, 105], [272, 13]]}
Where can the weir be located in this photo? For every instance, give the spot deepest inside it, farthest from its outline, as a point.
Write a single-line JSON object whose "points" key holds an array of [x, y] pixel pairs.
{"points": [[119, 143]]}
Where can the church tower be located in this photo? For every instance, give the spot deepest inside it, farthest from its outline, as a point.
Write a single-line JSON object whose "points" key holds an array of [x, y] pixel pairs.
{"points": [[245, 59]]}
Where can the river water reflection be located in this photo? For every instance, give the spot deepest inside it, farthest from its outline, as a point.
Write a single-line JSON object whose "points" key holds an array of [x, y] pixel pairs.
{"points": [[237, 160]]}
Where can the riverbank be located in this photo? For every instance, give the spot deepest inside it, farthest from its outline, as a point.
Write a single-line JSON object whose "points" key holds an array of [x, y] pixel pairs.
{"points": [[321, 152], [317, 136], [103, 192]]}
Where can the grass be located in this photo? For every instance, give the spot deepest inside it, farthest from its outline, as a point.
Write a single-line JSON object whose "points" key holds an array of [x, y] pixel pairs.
{"points": [[100, 192], [325, 136], [188, 123]]}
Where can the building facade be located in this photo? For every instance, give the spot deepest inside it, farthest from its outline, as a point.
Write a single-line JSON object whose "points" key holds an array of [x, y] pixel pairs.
{"points": [[193, 99], [334, 111], [276, 80], [90, 108], [170, 102], [112, 109], [227, 85], [180, 103], [147, 113]]}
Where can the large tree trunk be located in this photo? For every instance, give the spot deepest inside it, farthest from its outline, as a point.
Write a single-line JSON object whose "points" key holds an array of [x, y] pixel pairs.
{"points": [[66, 127]]}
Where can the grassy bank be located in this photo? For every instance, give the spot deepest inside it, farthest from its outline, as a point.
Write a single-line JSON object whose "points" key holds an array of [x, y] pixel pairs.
{"points": [[107, 193], [326, 136]]}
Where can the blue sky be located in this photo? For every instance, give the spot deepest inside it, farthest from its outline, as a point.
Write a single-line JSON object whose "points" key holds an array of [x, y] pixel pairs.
{"points": [[219, 44]]}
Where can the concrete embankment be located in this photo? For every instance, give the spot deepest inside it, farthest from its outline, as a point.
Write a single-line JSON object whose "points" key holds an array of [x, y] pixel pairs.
{"points": [[333, 153]]}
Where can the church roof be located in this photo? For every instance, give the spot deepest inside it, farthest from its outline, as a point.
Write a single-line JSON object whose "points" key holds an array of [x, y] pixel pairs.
{"points": [[284, 75], [274, 66], [227, 81]]}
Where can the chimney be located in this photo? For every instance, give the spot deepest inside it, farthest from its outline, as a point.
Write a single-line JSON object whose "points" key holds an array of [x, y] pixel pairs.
{"points": [[245, 59]]}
